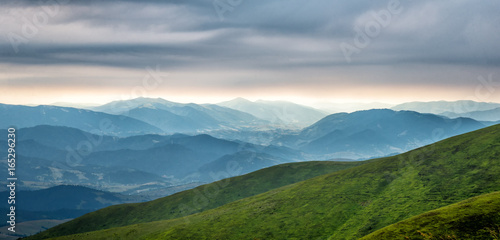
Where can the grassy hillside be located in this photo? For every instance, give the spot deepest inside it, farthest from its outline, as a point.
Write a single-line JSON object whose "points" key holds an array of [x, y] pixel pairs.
{"points": [[474, 218], [347, 204], [199, 199]]}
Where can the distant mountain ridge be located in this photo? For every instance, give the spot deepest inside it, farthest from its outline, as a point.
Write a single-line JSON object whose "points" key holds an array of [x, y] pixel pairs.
{"points": [[61, 155], [70, 146], [336, 107], [377, 132], [277, 112], [182, 118], [492, 115], [122, 106], [86, 120], [438, 107], [346, 204]]}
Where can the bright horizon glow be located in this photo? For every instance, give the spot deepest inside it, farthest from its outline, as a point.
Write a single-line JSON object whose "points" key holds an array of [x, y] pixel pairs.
{"points": [[91, 101], [124, 84], [272, 50]]}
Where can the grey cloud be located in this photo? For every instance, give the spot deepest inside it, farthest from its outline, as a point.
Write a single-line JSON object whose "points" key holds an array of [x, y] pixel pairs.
{"points": [[426, 32]]}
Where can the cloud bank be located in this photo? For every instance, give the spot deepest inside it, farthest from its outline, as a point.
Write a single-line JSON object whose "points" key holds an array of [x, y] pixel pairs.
{"points": [[240, 45]]}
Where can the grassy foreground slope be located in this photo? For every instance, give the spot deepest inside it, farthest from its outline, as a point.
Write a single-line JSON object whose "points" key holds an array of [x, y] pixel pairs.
{"points": [[347, 204], [474, 218], [198, 199]]}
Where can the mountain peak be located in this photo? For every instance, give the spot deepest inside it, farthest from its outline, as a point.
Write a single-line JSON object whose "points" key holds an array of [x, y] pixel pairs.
{"points": [[238, 100]]}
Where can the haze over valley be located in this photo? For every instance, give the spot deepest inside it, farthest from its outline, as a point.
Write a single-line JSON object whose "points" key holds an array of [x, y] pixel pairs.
{"points": [[148, 148], [261, 119]]}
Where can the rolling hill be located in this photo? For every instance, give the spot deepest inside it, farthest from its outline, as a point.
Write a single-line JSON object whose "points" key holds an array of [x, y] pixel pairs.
{"points": [[170, 122], [53, 155], [169, 160], [492, 115], [193, 158], [86, 120], [123, 106], [188, 202], [346, 204], [59, 137], [182, 118], [243, 161], [473, 218], [56, 155], [377, 132], [37, 173]]}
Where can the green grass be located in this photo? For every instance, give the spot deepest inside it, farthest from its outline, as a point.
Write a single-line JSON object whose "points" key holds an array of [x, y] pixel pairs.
{"points": [[346, 204], [474, 218], [198, 199]]}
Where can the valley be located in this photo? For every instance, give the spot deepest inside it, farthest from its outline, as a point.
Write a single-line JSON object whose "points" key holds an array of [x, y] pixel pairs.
{"points": [[249, 120], [346, 204], [126, 166]]}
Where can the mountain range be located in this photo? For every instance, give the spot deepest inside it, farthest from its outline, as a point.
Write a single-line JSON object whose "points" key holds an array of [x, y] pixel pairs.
{"points": [[492, 115], [377, 132], [90, 121], [343, 204], [55, 155], [65, 155], [154, 148], [338, 107], [182, 118], [439, 107]]}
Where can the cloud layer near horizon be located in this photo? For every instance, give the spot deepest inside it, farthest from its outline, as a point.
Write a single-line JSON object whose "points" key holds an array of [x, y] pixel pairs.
{"points": [[242, 45]]}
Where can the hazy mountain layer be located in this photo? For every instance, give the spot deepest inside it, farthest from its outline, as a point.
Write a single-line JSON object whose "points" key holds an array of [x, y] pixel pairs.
{"points": [[182, 118], [277, 112], [492, 115], [377, 132], [60, 155], [347, 204], [438, 107], [86, 120]]}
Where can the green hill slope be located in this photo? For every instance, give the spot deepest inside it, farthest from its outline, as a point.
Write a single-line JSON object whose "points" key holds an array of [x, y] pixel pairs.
{"points": [[474, 218], [347, 204], [199, 199]]}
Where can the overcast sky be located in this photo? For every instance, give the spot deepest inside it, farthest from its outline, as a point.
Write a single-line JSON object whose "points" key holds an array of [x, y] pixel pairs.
{"points": [[209, 51]]}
